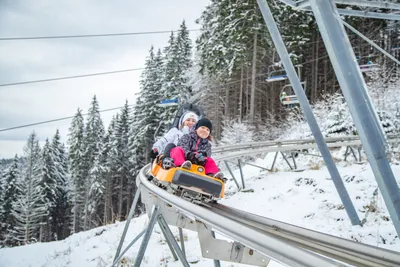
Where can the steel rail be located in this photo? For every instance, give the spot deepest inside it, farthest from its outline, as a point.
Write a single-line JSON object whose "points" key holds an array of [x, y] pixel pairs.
{"points": [[220, 149], [283, 142], [341, 249], [261, 150], [264, 243], [278, 146]]}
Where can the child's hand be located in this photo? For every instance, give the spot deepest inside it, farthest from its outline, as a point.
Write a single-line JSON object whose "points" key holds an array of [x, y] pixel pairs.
{"points": [[153, 153], [196, 158], [204, 153], [200, 159], [185, 130], [191, 156]]}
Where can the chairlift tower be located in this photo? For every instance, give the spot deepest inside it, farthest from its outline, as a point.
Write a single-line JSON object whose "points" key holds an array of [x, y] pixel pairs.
{"points": [[351, 81]]}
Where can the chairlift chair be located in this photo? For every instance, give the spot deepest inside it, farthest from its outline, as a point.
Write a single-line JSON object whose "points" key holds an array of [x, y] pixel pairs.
{"points": [[276, 75], [288, 96], [169, 103], [369, 67]]}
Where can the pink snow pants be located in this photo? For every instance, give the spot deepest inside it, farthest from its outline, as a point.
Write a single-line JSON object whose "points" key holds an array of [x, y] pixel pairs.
{"points": [[178, 155]]}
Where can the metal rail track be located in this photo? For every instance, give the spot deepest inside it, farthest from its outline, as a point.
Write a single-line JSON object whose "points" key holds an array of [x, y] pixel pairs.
{"points": [[285, 243], [287, 145], [345, 250]]}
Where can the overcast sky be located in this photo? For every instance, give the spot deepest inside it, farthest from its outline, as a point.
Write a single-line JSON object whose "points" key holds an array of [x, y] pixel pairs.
{"points": [[28, 60]]}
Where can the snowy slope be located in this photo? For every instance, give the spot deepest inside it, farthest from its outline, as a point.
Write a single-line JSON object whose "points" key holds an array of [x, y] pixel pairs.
{"points": [[307, 199]]}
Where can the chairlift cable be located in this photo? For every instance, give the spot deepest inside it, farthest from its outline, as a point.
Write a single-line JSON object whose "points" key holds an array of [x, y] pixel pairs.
{"points": [[54, 120], [87, 35], [70, 77]]}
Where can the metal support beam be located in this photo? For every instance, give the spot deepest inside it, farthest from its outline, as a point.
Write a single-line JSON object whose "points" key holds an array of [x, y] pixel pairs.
{"points": [[218, 249], [171, 238], [216, 262], [294, 160], [171, 248], [128, 221], [146, 238], [128, 247], [346, 153], [241, 172], [294, 80], [359, 153], [354, 154], [367, 14], [233, 176], [368, 3], [371, 42], [348, 150], [363, 14], [182, 241], [288, 163], [254, 165], [363, 3], [273, 163], [353, 88]]}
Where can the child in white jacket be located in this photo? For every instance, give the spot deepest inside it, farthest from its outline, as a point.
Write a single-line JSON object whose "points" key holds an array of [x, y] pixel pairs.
{"points": [[187, 120]]}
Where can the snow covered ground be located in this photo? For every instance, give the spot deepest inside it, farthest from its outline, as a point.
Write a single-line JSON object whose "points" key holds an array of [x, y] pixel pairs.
{"points": [[306, 198]]}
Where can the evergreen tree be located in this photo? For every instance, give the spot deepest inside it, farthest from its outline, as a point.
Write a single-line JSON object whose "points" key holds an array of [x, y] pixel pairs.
{"points": [[183, 47], [151, 84], [123, 164], [93, 146], [138, 155], [76, 160], [28, 208], [109, 157], [10, 194], [177, 63], [61, 212], [48, 188]]}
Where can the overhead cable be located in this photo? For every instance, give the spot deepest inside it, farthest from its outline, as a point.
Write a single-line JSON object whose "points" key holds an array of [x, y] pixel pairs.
{"points": [[60, 119], [86, 35], [71, 77]]}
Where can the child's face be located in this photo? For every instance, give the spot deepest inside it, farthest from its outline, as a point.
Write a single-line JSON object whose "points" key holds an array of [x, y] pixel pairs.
{"points": [[189, 122], [203, 132]]}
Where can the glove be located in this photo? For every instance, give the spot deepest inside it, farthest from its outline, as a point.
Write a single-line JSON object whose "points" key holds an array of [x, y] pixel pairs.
{"points": [[204, 153], [196, 158], [200, 159], [153, 154], [191, 156]]}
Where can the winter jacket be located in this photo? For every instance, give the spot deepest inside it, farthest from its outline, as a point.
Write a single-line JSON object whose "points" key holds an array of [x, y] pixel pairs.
{"points": [[172, 136], [192, 142]]}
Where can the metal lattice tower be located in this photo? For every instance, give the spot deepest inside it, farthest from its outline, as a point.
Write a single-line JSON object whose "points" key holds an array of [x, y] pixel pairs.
{"points": [[351, 81]]}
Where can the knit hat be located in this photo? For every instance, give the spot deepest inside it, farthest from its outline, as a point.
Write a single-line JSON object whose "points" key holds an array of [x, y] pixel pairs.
{"points": [[188, 115], [204, 122]]}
